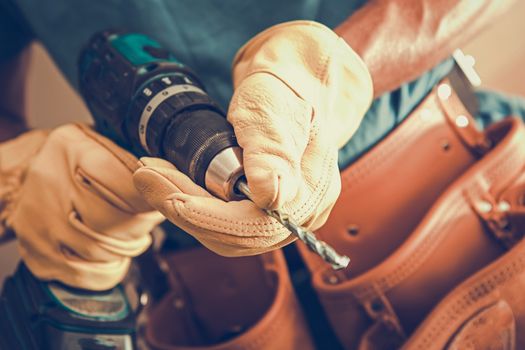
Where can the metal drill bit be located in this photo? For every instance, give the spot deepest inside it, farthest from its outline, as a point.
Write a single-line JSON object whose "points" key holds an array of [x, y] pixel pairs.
{"points": [[316, 245]]}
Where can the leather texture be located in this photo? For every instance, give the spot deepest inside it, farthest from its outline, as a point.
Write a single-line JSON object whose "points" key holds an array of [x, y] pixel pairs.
{"points": [[232, 303], [437, 249], [69, 196], [433, 223], [386, 193], [300, 92], [487, 310], [15, 157]]}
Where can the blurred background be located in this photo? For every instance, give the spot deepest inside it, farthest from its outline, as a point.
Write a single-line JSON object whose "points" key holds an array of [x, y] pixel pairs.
{"points": [[499, 52]]}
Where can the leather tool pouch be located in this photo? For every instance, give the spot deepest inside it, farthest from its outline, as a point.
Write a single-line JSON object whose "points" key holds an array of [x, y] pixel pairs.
{"points": [[432, 218], [226, 303], [432, 204]]}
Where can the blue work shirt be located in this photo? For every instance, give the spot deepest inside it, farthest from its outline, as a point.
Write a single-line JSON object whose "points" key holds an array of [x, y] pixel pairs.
{"points": [[205, 35]]}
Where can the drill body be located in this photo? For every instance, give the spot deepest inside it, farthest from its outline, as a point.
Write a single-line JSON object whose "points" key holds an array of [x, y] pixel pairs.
{"points": [[143, 98]]}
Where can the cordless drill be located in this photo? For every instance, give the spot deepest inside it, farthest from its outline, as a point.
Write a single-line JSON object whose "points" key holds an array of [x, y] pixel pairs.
{"points": [[145, 100], [151, 104], [142, 97]]}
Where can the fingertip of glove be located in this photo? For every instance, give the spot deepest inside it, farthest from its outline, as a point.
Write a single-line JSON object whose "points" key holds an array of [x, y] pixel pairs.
{"points": [[155, 162], [140, 179], [151, 174], [270, 189], [264, 185], [151, 183]]}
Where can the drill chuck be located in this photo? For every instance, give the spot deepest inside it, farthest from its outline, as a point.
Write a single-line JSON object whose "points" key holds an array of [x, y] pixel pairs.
{"points": [[224, 174]]}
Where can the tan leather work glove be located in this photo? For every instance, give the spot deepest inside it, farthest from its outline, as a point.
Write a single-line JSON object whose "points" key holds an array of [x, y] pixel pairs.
{"points": [[300, 93], [69, 196]]}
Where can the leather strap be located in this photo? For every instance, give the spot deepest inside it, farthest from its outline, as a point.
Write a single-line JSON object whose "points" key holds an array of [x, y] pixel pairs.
{"points": [[380, 309], [461, 121], [505, 215]]}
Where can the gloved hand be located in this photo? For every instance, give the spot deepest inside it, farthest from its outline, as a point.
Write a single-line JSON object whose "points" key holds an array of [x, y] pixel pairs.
{"points": [[300, 93], [69, 196]]}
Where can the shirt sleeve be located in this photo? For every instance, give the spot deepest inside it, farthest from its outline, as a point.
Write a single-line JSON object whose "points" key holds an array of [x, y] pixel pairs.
{"points": [[495, 106], [15, 34]]}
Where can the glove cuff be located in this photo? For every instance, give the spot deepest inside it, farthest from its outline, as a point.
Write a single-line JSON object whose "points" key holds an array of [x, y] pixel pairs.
{"points": [[15, 157]]}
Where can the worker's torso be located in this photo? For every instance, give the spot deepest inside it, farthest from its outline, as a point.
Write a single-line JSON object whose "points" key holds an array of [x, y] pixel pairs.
{"points": [[205, 35]]}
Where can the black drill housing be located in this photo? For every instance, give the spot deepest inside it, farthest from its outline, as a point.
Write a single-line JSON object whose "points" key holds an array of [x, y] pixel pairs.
{"points": [[148, 102]]}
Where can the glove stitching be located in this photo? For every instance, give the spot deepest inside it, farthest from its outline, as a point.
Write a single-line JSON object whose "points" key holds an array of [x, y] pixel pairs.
{"points": [[198, 220], [244, 242], [314, 129], [245, 223], [316, 195], [319, 189], [94, 186], [305, 210]]}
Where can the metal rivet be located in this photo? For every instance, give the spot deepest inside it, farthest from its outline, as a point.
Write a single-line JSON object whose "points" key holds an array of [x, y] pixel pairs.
{"points": [[462, 121], [484, 207], [143, 299], [444, 91], [353, 230], [332, 279], [178, 303], [503, 206], [164, 267], [445, 144]]}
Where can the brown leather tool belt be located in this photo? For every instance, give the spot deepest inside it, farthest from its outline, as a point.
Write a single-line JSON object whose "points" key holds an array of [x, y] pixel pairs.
{"points": [[226, 303], [432, 218]]}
